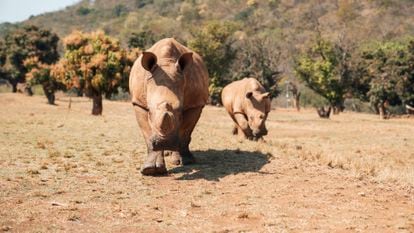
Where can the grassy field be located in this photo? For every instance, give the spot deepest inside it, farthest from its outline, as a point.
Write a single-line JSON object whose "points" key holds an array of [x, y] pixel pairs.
{"points": [[65, 170]]}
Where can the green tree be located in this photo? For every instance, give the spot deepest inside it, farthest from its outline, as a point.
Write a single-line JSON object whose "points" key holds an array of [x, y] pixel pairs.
{"points": [[119, 10], [322, 69], [3, 57], [385, 70], [259, 58], [214, 43], [22, 43], [406, 85], [83, 11], [96, 64], [141, 40]]}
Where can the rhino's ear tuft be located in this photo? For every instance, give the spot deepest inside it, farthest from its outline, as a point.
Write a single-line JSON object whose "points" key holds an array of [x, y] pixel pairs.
{"points": [[249, 95], [185, 60], [149, 61]]}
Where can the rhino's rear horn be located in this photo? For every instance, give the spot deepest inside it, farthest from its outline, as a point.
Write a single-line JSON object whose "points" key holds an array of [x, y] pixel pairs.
{"points": [[149, 61]]}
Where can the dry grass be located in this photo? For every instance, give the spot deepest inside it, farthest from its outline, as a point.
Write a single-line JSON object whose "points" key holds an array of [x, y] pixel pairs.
{"points": [[361, 143], [66, 170]]}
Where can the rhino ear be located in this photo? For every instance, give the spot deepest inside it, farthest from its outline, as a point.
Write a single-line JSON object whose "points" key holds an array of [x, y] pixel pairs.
{"points": [[185, 60], [148, 61], [266, 95], [249, 95]]}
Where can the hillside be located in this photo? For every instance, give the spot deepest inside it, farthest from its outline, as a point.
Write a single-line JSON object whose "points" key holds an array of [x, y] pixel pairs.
{"points": [[276, 30], [291, 21]]}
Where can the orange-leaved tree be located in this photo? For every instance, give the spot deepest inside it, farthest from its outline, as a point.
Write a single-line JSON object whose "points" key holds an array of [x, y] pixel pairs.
{"points": [[95, 64], [43, 74]]}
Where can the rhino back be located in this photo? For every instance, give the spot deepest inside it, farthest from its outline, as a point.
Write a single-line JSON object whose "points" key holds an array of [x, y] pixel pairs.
{"points": [[234, 94]]}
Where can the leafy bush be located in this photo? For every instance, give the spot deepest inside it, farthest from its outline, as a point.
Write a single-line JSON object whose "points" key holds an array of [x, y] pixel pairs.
{"points": [[40, 73], [23, 43], [318, 68], [83, 11], [387, 69], [141, 40], [214, 43], [259, 57], [119, 10]]}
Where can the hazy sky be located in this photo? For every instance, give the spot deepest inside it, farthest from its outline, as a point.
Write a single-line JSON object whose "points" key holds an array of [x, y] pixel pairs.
{"points": [[19, 10]]}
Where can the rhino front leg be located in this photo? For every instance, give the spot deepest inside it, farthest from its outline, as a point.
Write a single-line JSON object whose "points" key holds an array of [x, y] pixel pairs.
{"points": [[244, 130], [154, 163], [190, 119]]}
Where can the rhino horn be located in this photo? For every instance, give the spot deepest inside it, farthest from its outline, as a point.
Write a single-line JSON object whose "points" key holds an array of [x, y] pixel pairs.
{"points": [[265, 95], [167, 123]]}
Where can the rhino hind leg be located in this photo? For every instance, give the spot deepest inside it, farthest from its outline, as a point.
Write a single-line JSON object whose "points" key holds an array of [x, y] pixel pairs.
{"points": [[154, 164]]}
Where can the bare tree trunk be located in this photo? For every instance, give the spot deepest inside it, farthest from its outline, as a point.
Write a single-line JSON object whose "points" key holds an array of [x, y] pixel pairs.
{"points": [[382, 111], [338, 108], [296, 95], [296, 100], [97, 104], [70, 102], [108, 96], [28, 90], [14, 87], [50, 94]]}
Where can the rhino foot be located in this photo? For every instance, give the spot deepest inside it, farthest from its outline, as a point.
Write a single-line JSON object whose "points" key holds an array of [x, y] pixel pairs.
{"points": [[154, 165], [176, 158], [153, 171], [186, 159]]}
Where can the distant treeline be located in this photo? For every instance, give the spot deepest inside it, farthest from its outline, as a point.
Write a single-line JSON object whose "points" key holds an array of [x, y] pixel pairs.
{"points": [[339, 49]]}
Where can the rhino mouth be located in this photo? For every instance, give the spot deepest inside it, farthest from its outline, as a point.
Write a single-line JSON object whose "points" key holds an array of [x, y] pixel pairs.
{"points": [[259, 133], [158, 142]]}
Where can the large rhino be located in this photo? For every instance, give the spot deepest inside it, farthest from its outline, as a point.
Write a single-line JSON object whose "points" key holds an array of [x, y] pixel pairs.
{"points": [[169, 88], [248, 104]]}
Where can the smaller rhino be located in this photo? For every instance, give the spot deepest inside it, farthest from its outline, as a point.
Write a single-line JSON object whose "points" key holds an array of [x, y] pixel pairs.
{"points": [[248, 104]]}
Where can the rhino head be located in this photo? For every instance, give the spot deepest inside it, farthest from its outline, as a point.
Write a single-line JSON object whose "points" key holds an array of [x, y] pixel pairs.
{"points": [[256, 109], [165, 93]]}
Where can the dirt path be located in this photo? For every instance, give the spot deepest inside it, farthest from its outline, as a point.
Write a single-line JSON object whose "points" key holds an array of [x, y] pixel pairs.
{"points": [[68, 171]]}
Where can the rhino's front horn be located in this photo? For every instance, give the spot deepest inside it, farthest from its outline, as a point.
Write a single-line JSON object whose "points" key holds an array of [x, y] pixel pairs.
{"points": [[167, 123]]}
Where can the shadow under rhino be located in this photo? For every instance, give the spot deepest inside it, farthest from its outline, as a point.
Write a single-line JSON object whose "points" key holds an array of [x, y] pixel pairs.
{"points": [[215, 164]]}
